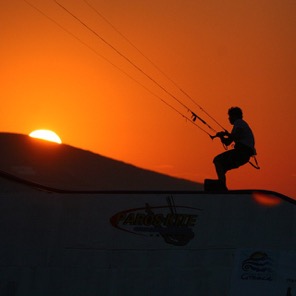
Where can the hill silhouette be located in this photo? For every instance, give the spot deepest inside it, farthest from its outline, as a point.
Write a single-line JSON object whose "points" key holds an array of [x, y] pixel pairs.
{"points": [[69, 168]]}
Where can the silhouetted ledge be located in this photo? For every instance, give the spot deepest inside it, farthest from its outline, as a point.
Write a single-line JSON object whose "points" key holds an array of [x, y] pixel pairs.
{"points": [[66, 167]]}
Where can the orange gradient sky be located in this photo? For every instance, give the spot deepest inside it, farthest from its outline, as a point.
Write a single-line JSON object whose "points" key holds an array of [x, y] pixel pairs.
{"points": [[222, 53]]}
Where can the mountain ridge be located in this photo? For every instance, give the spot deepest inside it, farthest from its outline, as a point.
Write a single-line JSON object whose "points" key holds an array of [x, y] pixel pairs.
{"points": [[70, 168]]}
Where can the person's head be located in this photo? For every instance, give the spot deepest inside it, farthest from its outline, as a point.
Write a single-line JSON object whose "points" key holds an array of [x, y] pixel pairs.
{"points": [[234, 114]]}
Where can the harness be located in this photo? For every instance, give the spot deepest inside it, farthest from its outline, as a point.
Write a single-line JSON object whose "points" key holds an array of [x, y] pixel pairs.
{"points": [[254, 165]]}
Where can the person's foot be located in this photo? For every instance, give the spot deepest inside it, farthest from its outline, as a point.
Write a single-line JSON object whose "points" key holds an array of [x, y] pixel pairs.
{"points": [[214, 185]]}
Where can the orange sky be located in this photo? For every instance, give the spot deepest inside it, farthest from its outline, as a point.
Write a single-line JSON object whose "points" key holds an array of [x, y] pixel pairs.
{"points": [[222, 53]]}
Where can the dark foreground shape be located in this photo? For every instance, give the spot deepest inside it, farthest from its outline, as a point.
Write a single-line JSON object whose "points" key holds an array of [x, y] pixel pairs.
{"points": [[55, 242]]}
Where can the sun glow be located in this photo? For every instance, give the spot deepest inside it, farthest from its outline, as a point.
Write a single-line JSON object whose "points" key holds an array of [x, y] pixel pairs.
{"points": [[46, 135]]}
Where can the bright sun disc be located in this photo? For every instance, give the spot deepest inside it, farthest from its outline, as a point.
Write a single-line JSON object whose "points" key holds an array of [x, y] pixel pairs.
{"points": [[46, 135]]}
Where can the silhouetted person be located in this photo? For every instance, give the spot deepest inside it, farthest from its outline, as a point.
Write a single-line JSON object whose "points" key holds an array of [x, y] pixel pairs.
{"points": [[244, 147]]}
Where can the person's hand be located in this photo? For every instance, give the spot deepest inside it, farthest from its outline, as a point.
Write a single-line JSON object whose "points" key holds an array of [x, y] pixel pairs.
{"points": [[221, 134]]}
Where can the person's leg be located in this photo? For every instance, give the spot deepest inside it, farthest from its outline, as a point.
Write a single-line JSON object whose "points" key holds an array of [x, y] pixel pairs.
{"points": [[221, 162], [221, 173]]}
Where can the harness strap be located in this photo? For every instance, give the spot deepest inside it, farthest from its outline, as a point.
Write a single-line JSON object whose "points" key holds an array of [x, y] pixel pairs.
{"points": [[256, 165]]}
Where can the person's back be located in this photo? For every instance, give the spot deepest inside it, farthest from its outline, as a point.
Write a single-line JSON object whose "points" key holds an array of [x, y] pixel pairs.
{"points": [[244, 134]]}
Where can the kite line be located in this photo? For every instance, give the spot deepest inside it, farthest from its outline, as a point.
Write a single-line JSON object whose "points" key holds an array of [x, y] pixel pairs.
{"points": [[193, 115]]}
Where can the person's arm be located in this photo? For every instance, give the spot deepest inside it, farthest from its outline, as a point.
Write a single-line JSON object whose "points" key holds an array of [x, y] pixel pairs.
{"points": [[226, 138]]}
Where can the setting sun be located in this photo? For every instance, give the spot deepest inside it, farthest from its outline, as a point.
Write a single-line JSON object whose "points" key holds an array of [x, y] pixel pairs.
{"points": [[46, 135]]}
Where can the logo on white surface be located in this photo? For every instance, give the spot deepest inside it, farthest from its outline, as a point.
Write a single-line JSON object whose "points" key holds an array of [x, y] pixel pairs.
{"points": [[259, 266], [175, 224]]}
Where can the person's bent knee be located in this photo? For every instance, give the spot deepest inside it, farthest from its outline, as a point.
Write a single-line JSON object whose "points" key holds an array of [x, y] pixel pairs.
{"points": [[216, 159]]}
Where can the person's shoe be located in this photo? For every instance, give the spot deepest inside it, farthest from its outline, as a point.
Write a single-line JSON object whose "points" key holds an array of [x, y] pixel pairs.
{"points": [[211, 185]]}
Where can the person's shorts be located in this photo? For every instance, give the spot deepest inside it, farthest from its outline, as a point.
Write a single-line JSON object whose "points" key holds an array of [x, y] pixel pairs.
{"points": [[233, 158]]}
